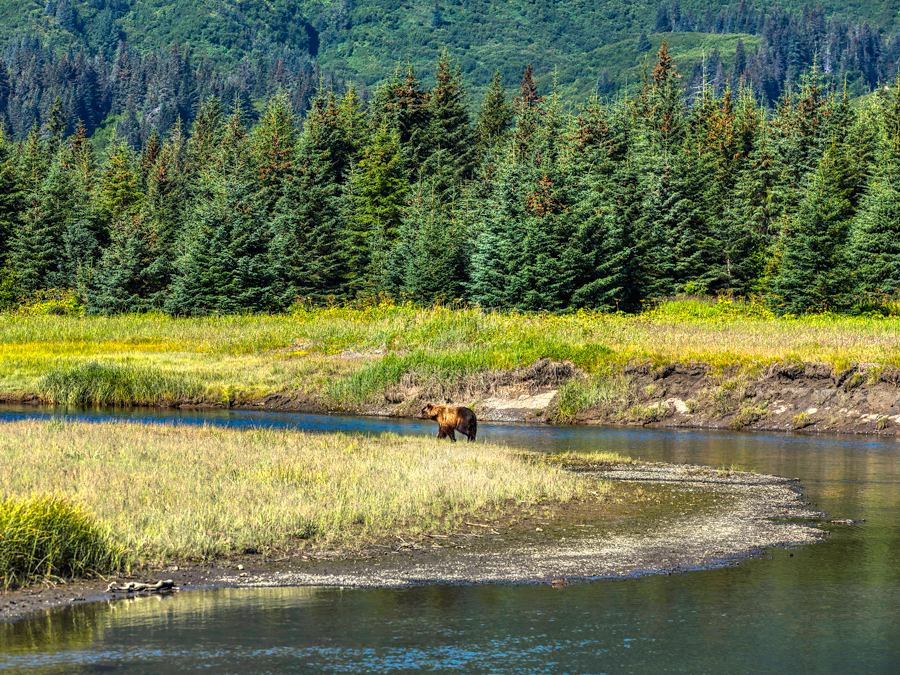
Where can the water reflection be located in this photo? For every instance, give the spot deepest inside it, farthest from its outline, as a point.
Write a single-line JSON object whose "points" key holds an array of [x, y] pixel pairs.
{"points": [[832, 607]]}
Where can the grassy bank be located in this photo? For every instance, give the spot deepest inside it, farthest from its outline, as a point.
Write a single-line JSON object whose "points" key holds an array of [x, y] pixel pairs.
{"points": [[169, 492], [348, 356]]}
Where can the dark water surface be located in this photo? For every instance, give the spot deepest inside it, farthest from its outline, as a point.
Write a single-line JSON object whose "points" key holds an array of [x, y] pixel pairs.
{"points": [[829, 608]]}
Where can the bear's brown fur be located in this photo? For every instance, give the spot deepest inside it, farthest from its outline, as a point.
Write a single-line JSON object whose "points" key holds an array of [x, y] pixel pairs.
{"points": [[450, 418]]}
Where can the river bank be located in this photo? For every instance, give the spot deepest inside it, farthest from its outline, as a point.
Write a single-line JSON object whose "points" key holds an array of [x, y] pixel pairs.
{"points": [[782, 396], [701, 363], [677, 518]]}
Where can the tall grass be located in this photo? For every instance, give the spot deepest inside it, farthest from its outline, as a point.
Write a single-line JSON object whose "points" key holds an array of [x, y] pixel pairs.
{"points": [[234, 358], [49, 536], [88, 382], [168, 491]]}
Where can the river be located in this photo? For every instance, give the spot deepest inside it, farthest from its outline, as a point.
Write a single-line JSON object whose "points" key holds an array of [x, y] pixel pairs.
{"points": [[832, 607]]}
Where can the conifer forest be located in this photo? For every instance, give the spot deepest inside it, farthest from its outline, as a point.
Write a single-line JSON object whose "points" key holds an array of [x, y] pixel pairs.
{"points": [[312, 189]]}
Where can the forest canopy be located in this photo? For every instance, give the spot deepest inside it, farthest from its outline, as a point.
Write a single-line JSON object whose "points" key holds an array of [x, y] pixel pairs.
{"points": [[530, 204]]}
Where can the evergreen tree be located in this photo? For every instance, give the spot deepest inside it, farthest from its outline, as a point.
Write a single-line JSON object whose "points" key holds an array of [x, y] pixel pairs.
{"points": [[498, 253], [451, 130], [606, 209], [378, 194], [39, 247], [163, 216], [10, 196], [528, 107], [496, 117], [429, 263], [874, 251], [206, 135], [225, 266], [875, 241], [119, 192], [402, 106], [309, 246], [123, 280], [813, 274], [273, 145]]}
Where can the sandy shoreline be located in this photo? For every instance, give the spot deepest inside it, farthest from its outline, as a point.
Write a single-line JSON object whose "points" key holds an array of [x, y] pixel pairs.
{"points": [[744, 513]]}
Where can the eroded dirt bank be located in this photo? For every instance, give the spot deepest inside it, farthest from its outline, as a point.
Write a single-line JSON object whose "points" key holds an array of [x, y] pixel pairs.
{"points": [[781, 396], [707, 517]]}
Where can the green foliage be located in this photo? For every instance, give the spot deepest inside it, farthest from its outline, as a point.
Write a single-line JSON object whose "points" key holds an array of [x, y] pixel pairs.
{"points": [[496, 116], [430, 260], [99, 383], [378, 193], [813, 275], [226, 262], [608, 207], [309, 245], [51, 302], [50, 537]]}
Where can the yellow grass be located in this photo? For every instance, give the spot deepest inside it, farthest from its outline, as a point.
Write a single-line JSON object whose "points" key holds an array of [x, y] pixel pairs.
{"points": [[184, 492]]}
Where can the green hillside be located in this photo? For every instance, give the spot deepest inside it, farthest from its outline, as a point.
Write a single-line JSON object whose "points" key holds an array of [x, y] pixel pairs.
{"points": [[364, 41]]}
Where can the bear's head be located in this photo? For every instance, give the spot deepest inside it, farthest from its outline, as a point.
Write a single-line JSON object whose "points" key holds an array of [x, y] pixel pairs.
{"points": [[429, 412]]}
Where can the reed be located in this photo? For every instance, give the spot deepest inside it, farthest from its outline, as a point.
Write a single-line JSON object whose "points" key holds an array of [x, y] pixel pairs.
{"points": [[50, 536]]}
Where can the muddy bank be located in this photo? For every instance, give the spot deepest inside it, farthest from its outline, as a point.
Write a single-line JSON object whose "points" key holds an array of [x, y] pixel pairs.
{"points": [[683, 518], [784, 396], [810, 397]]}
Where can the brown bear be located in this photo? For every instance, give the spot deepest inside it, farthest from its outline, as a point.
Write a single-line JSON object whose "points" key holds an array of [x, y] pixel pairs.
{"points": [[449, 418]]}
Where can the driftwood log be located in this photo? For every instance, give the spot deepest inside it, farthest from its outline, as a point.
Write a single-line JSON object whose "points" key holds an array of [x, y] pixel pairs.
{"points": [[138, 587]]}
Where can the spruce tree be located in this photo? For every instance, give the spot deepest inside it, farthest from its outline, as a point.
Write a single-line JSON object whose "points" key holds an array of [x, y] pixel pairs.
{"points": [[39, 248], [497, 253], [403, 106], [309, 248], [225, 266], [552, 252], [875, 241], [206, 134], [274, 143], [10, 196], [496, 117], [122, 280], [163, 216], [378, 194], [874, 251], [119, 191], [605, 210], [812, 274], [450, 127], [429, 263]]}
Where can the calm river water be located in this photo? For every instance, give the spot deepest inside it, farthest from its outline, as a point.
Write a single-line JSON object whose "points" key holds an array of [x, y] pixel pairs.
{"points": [[829, 608]]}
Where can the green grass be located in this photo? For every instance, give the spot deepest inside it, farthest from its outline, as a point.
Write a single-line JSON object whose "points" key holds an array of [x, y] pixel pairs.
{"points": [[182, 492], [599, 389], [93, 382], [50, 536], [348, 355]]}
